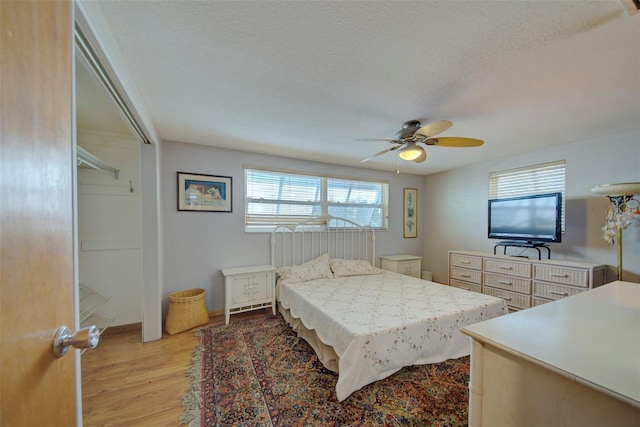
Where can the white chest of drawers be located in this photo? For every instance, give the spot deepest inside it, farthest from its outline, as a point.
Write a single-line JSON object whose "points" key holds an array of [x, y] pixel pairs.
{"points": [[522, 283], [409, 265], [248, 288]]}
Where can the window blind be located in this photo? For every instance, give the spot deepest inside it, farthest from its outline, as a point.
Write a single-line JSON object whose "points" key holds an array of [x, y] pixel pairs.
{"points": [[529, 180], [275, 197]]}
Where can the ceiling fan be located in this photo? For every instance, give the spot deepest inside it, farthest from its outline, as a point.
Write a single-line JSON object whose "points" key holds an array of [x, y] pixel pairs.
{"points": [[408, 139]]}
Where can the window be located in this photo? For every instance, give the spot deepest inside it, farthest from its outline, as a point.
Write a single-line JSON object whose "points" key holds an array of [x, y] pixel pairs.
{"points": [[274, 198], [536, 179]]}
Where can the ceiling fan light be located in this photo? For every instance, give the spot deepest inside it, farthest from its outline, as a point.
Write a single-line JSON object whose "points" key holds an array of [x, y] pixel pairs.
{"points": [[411, 152]]}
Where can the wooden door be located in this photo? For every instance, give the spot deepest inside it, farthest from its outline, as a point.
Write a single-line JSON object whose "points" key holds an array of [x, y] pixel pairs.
{"points": [[36, 213]]}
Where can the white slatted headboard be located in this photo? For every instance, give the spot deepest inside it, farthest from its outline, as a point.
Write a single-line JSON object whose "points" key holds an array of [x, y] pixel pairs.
{"points": [[339, 237]]}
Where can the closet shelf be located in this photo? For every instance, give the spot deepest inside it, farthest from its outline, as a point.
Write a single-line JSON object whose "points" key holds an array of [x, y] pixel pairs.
{"points": [[86, 159]]}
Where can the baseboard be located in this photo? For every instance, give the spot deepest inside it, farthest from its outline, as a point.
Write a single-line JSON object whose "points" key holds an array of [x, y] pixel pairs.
{"points": [[214, 313], [123, 328], [137, 327]]}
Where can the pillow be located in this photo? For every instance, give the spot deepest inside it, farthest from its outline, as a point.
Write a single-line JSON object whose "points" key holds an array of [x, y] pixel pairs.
{"points": [[315, 269], [352, 267]]}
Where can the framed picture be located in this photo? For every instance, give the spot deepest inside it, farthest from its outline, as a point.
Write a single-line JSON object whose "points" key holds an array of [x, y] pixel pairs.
{"points": [[204, 193], [410, 213]]}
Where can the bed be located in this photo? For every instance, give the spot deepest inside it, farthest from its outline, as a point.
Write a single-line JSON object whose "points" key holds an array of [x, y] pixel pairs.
{"points": [[363, 322]]}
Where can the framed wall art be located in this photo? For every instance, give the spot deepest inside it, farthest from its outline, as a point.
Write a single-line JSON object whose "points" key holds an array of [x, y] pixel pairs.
{"points": [[410, 213], [204, 193]]}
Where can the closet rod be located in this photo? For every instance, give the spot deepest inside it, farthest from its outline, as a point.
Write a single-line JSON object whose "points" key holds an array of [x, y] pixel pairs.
{"points": [[88, 159]]}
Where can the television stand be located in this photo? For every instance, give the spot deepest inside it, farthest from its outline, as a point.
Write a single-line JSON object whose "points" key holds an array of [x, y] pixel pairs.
{"points": [[528, 245]]}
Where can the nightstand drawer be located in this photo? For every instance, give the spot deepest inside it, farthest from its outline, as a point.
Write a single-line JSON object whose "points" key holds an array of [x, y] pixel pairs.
{"points": [[408, 265], [410, 268], [248, 288]]}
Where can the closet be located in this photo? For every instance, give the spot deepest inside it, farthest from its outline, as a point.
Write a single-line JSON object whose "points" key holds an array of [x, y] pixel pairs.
{"points": [[118, 253], [109, 215]]}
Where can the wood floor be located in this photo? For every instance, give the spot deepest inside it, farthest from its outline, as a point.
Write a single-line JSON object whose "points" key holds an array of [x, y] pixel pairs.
{"points": [[126, 382]]}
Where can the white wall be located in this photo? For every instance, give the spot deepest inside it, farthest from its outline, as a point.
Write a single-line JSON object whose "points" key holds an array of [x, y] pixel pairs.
{"points": [[110, 225], [456, 204], [198, 244]]}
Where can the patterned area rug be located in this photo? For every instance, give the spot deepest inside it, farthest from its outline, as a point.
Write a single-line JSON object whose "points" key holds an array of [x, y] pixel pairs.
{"points": [[259, 373]]}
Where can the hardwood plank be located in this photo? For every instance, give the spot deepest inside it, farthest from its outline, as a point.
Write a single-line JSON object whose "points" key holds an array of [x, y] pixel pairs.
{"points": [[126, 382]]}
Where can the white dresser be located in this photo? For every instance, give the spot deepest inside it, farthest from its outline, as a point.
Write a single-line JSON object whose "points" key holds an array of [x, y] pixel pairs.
{"points": [[248, 288], [572, 362], [522, 282], [409, 265]]}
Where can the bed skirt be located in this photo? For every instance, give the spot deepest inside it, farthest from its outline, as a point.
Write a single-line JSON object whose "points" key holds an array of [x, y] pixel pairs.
{"points": [[326, 353]]}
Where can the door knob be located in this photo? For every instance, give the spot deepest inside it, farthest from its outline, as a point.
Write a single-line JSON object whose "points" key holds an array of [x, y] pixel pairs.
{"points": [[84, 338]]}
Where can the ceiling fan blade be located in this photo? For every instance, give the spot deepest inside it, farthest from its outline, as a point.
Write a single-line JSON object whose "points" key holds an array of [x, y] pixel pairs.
{"points": [[378, 154], [422, 156], [454, 141], [395, 141], [434, 128]]}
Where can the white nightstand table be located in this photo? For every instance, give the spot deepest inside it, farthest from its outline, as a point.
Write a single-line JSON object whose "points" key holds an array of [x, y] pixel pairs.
{"points": [[409, 265], [248, 288]]}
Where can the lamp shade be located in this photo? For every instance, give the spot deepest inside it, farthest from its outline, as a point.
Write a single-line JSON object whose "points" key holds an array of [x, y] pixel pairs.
{"points": [[622, 189], [410, 152]]}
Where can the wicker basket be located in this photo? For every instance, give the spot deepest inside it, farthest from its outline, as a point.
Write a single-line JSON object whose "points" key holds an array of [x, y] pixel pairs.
{"points": [[187, 309]]}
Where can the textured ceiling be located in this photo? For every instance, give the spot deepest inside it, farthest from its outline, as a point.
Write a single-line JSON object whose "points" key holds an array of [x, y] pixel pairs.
{"points": [[306, 79]]}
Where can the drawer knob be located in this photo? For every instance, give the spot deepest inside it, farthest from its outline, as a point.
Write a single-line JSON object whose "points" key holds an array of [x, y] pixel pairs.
{"points": [[506, 283], [562, 276], [506, 268]]}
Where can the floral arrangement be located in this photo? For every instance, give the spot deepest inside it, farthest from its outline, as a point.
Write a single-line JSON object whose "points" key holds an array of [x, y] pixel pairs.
{"points": [[622, 211]]}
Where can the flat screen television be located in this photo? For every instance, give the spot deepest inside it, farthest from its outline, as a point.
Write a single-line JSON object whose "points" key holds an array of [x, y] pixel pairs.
{"points": [[531, 219]]}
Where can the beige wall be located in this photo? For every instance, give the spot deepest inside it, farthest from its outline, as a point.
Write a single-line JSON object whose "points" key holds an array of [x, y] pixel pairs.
{"points": [[455, 204]]}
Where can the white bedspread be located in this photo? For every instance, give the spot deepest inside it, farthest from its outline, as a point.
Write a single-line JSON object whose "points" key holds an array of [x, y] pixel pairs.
{"points": [[378, 324]]}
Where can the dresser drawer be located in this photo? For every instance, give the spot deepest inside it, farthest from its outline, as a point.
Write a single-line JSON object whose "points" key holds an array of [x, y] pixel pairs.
{"points": [[509, 283], [551, 291], [466, 261], [512, 268], [535, 301], [473, 276], [513, 299], [466, 285], [563, 275]]}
